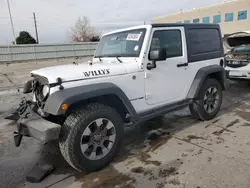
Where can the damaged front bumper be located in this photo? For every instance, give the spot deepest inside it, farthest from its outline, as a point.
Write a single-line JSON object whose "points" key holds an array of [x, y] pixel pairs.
{"points": [[30, 124]]}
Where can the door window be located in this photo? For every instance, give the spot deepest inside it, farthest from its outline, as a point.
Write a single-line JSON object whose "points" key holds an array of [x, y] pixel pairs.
{"points": [[204, 41], [169, 39]]}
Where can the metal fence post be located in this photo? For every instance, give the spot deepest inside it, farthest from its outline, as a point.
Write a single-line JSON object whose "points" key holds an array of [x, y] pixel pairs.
{"points": [[89, 47], [34, 50], [55, 48], [73, 47], [10, 56]]}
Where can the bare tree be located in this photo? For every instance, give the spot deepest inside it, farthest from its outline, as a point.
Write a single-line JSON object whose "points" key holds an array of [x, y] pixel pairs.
{"points": [[83, 31]]}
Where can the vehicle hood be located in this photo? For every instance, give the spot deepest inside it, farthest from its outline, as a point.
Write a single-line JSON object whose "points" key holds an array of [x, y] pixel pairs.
{"points": [[88, 70], [236, 39]]}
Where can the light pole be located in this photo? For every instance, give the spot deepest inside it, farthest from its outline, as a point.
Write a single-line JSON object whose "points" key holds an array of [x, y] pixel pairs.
{"points": [[37, 40], [11, 21]]}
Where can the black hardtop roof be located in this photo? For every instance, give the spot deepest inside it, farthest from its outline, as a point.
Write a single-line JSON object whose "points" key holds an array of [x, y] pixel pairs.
{"points": [[188, 25]]}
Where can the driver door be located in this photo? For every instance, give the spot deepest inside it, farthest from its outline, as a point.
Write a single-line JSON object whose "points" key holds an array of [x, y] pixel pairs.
{"points": [[166, 83]]}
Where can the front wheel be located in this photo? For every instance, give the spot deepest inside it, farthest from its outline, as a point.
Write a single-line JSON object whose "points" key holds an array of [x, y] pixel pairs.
{"points": [[90, 137], [208, 103]]}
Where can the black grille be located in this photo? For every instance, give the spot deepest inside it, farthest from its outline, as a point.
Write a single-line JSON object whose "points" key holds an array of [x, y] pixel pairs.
{"points": [[239, 64], [235, 66]]}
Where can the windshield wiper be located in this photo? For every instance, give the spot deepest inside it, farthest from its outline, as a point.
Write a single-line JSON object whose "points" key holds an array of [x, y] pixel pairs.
{"points": [[99, 57], [117, 57]]}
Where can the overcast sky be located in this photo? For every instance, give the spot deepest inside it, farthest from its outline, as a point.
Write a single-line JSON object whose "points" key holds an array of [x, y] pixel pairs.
{"points": [[55, 17]]}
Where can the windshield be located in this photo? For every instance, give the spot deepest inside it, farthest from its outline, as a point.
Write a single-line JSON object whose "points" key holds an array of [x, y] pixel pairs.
{"points": [[243, 48], [122, 44]]}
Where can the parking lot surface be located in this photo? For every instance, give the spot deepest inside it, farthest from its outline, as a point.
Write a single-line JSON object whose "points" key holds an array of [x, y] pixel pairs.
{"points": [[170, 151]]}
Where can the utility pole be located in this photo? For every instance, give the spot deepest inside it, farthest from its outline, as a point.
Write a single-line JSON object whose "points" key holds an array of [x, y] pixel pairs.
{"points": [[34, 16], [11, 21]]}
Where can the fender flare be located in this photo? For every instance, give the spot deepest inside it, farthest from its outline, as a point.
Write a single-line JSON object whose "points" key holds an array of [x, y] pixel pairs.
{"points": [[202, 75], [73, 95]]}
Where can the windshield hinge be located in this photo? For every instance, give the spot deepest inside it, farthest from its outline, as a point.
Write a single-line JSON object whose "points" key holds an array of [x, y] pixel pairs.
{"points": [[147, 75], [148, 96]]}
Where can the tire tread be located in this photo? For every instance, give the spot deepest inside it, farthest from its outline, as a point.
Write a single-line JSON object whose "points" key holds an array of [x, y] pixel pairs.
{"points": [[68, 132], [196, 108]]}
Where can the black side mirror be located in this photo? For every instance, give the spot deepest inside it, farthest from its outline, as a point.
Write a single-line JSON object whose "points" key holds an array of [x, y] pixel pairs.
{"points": [[156, 55]]}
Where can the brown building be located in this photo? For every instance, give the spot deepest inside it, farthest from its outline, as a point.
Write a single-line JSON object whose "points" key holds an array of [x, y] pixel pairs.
{"points": [[233, 16]]}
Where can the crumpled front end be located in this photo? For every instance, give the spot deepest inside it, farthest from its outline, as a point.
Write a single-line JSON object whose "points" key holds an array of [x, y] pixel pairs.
{"points": [[237, 46], [30, 116]]}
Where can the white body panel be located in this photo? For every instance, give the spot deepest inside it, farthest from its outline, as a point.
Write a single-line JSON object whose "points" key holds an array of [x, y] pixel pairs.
{"points": [[133, 88], [82, 71], [239, 73], [164, 84], [146, 89]]}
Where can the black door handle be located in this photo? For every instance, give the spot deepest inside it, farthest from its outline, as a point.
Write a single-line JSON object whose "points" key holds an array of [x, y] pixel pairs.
{"points": [[182, 65]]}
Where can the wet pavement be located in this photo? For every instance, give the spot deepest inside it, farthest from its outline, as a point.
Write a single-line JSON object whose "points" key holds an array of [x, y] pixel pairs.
{"points": [[170, 151]]}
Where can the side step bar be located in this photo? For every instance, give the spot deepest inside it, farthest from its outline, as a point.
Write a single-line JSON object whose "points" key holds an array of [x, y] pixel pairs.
{"points": [[163, 110]]}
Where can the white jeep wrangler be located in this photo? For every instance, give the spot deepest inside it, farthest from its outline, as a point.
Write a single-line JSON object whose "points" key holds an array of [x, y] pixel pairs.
{"points": [[136, 74]]}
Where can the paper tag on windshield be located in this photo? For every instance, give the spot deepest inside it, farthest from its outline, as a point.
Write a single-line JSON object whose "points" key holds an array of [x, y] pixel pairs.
{"points": [[134, 37]]}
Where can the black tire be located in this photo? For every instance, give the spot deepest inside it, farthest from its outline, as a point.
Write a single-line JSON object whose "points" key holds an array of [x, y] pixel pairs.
{"points": [[197, 109], [71, 135]]}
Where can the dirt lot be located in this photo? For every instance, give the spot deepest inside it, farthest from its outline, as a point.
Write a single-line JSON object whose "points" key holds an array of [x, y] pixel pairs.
{"points": [[171, 151], [16, 74]]}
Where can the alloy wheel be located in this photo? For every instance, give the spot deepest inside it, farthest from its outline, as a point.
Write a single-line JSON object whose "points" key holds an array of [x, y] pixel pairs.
{"points": [[98, 139], [211, 100]]}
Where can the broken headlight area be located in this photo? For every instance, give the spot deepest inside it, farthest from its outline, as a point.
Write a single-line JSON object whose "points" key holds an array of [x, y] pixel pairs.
{"points": [[40, 88], [41, 93]]}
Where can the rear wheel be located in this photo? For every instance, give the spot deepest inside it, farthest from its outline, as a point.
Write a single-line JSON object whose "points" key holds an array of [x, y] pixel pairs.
{"points": [[208, 102], [91, 136]]}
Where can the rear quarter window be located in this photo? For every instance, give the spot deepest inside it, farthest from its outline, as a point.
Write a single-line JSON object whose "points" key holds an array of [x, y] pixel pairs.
{"points": [[204, 41]]}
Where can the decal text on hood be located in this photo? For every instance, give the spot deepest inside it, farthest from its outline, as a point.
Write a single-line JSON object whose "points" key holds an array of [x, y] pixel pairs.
{"points": [[96, 72]]}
